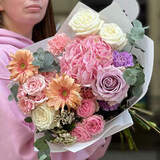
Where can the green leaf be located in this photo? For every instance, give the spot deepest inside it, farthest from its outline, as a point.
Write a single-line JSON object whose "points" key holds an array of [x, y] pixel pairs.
{"points": [[14, 91], [140, 78], [136, 33], [45, 61], [41, 144], [137, 23], [130, 76], [43, 147], [137, 91], [48, 60], [28, 119], [48, 136], [10, 97]]}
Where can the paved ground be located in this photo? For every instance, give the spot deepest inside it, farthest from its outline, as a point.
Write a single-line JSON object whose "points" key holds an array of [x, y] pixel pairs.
{"points": [[140, 155]]}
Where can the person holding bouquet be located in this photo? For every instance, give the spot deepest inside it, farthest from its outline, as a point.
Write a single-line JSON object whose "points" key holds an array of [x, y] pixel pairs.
{"points": [[23, 22]]}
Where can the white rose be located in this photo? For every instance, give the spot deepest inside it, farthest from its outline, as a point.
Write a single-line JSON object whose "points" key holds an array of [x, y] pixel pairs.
{"points": [[112, 34], [44, 117], [86, 22]]}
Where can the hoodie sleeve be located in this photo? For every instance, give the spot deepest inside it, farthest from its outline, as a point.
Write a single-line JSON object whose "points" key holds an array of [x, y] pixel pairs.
{"points": [[16, 137]]}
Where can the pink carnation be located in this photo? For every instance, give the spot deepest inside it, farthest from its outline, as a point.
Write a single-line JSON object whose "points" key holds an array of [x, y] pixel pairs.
{"points": [[94, 125], [58, 43], [34, 85], [110, 85], [39, 98], [81, 134], [26, 105], [21, 93], [87, 108], [83, 57]]}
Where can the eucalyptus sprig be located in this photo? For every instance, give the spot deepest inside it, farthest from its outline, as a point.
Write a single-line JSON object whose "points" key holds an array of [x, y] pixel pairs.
{"points": [[135, 77], [137, 33], [45, 61], [14, 92]]}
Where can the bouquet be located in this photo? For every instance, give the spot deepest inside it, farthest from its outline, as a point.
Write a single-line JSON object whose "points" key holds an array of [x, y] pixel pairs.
{"points": [[76, 86]]}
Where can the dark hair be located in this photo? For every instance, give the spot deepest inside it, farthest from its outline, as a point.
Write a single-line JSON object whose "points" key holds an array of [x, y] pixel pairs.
{"points": [[46, 28]]}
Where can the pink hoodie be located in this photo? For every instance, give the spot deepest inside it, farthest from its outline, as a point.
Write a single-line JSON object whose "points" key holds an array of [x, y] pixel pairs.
{"points": [[16, 136]]}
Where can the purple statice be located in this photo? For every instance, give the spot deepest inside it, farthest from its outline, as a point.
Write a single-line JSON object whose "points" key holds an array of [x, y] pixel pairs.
{"points": [[122, 59], [106, 107]]}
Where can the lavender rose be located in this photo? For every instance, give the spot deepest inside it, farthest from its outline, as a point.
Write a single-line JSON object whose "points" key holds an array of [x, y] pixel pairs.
{"points": [[110, 85]]}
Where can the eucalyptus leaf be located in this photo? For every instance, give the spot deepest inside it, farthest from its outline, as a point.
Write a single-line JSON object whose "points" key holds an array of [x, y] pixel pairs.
{"points": [[137, 91], [14, 91], [45, 61], [10, 97], [137, 23], [137, 32], [48, 60], [130, 76], [140, 78]]}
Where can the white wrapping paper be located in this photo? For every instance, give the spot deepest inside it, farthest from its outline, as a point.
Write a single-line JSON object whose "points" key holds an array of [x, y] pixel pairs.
{"points": [[114, 14]]}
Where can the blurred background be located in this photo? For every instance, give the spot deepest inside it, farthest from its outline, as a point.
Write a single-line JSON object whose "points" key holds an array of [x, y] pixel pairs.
{"points": [[148, 143]]}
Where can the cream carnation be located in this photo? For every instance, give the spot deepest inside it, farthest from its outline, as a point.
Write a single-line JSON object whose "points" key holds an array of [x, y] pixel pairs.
{"points": [[86, 22], [44, 117], [112, 34]]}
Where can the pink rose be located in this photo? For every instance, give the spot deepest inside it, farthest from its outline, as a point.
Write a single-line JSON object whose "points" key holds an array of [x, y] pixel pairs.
{"points": [[83, 57], [94, 125], [34, 85], [58, 43], [110, 85], [87, 108], [26, 105], [80, 133]]}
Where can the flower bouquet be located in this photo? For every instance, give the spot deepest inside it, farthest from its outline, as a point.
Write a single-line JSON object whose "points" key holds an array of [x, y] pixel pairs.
{"points": [[76, 87]]}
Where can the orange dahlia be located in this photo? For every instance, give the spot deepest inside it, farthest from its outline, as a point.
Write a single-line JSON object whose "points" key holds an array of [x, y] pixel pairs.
{"points": [[63, 91], [21, 67]]}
